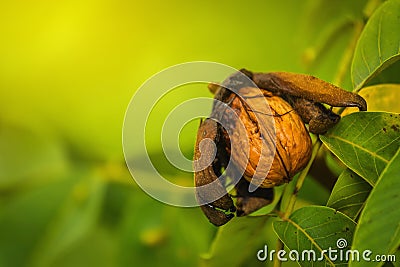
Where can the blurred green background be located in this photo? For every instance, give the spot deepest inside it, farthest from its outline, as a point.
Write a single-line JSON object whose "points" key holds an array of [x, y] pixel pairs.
{"points": [[68, 70]]}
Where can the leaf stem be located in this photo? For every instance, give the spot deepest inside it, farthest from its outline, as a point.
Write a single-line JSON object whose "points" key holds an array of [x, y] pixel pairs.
{"points": [[292, 201], [300, 180]]}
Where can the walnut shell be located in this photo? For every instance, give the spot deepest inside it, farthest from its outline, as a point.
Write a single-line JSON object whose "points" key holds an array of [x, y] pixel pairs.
{"points": [[265, 165]]}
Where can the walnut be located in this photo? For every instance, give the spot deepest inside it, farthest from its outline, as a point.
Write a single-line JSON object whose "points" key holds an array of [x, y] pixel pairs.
{"points": [[262, 132], [293, 143]]}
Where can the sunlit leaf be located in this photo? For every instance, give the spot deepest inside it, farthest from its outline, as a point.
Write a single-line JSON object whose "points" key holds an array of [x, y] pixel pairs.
{"points": [[349, 194], [365, 142], [382, 97], [316, 228], [379, 44], [378, 229], [388, 75]]}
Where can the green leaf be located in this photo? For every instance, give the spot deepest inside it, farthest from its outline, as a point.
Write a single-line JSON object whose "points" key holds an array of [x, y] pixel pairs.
{"points": [[316, 228], [378, 229], [378, 45], [243, 234], [365, 142], [389, 75], [382, 97], [349, 194]]}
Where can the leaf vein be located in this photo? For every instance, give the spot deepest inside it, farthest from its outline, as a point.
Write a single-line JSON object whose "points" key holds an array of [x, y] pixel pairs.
{"points": [[318, 225], [388, 144], [284, 232], [365, 127], [360, 148], [371, 137], [376, 168], [349, 196], [365, 61], [348, 185], [348, 127], [358, 160], [323, 237], [306, 218], [311, 240], [379, 39], [350, 205]]}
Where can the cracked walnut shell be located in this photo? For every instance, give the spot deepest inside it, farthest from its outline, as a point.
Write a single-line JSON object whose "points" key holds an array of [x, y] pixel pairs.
{"points": [[292, 140]]}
